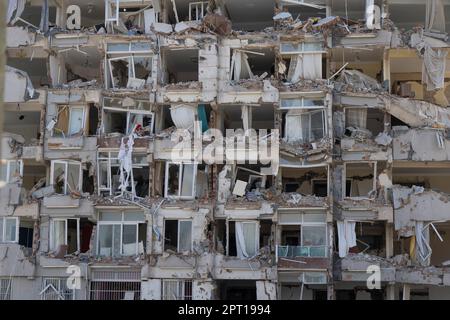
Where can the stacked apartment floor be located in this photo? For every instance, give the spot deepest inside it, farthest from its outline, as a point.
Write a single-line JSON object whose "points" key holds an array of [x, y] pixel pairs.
{"points": [[97, 93]]}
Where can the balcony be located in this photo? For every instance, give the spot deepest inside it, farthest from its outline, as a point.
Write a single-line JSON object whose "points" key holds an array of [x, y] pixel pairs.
{"points": [[302, 257], [301, 251]]}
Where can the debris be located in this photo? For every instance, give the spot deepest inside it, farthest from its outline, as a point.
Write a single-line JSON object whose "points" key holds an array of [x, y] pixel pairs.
{"points": [[239, 188], [383, 139], [282, 16], [217, 23]]}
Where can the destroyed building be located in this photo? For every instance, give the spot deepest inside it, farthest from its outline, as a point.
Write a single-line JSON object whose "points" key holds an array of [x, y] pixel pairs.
{"points": [[94, 207]]}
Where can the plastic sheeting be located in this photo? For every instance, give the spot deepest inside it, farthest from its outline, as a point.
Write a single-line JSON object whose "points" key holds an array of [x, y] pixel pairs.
{"points": [[347, 236], [433, 65], [30, 93]]}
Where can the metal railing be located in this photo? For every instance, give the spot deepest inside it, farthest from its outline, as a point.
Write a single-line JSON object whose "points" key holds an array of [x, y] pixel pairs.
{"points": [[301, 251]]}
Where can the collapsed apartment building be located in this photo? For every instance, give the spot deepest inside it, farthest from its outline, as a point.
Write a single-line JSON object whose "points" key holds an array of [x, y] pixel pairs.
{"points": [[95, 90]]}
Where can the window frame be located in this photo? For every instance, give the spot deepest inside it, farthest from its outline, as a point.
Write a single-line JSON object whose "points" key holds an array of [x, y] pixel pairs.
{"points": [[66, 233], [181, 287], [130, 55], [108, 161], [302, 223], [122, 222], [66, 164], [302, 105], [3, 231], [302, 50], [196, 5], [345, 179], [180, 179], [7, 293], [7, 163], [46, 281], [178, 232], [257, 234], [128, 113], [310, 130], [69, 123]]}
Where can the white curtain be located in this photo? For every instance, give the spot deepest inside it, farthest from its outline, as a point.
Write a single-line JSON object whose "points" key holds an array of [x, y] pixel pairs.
{"points": [[308, 66], [297, 126], [59, 230], [245, 113], [187, 185], [422, 239], [435, 15], [246, 239], [356, 118], [12, 6], [171, 290], [185, 236], [346, 236], [312, 66]]}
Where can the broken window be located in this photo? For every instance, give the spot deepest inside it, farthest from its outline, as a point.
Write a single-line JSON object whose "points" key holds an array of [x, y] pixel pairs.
{"points": [[312, 181], [303, 234], [357, 10], [26, 230], [301, 61], [362, 176], [36, 69], [130, 17], [247, 117], [247, 64], [23, 123], [109, 172], [180, 179], [366, 122], [66, 176], [126, 116], [303, 9], [248, 179], [70, 121], [11, 170], [243, 239], [129, 65], [177, 289], [56, 289], [9, 229], [181, 65], [70, 235], [5, 288], [366, 237], [178, 235], [65, 232], [121, 234]]}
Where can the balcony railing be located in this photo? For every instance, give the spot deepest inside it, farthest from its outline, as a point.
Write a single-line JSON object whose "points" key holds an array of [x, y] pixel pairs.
{"points": [[301, 251]]}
